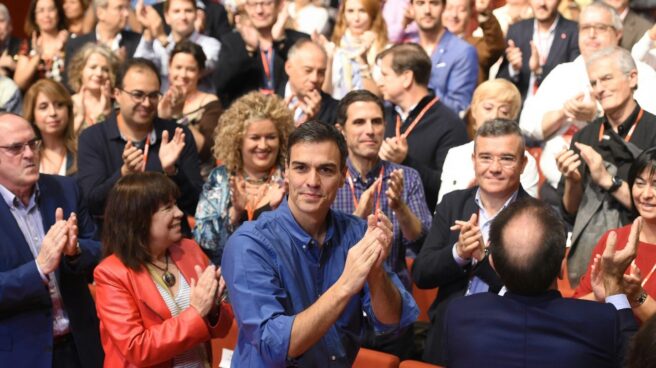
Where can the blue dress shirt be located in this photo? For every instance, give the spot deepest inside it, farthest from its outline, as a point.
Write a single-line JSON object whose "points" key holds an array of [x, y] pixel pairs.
{"points": [[275, 270]]}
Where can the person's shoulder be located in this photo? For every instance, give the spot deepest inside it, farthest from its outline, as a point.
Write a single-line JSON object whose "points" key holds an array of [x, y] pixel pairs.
{"points": [[464, 304], [639, 20], [458, 198], [111, 267], [458, 44], [567, 24], [521, 26]]}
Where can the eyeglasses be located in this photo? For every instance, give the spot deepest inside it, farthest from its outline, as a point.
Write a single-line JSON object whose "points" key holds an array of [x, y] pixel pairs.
{"points": [[19, 148], [140, 96], [506, 161], [264, 4], [598, 28]]}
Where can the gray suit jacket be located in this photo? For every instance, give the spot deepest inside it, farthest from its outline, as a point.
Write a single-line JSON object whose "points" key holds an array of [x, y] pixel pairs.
{"points": [[635, 27]]}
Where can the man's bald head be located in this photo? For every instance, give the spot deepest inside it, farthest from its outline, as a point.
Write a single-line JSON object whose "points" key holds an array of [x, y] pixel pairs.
{"points": [[19, 156], [306, 67], [527, 244]]}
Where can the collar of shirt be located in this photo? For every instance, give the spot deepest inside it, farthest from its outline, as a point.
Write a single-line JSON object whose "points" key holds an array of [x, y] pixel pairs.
{"points": [[626, 125], [551, 30], [115, 133], [484, 220], [300, 236], [13, 201], [115, 43], [371, 176], [414, 110]]}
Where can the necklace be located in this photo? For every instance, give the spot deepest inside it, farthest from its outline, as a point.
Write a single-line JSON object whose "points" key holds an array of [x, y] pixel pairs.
{"points": [[167, 277]]}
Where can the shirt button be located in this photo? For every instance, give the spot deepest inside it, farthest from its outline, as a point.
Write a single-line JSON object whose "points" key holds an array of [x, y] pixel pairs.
{"points": [[332, 357]]}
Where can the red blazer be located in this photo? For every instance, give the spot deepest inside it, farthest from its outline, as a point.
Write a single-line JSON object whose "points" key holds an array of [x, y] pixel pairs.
{"points": [[136, 327]]}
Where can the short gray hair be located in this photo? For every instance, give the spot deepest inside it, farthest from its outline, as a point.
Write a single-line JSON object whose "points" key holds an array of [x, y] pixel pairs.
{"points": [[303, 43], [599, 5], [499, 128], [5, 12], [623, 57]]}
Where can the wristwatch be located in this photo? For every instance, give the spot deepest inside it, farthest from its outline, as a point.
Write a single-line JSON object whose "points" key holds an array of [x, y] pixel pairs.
{"points": [[641, 299], [616, 183]]}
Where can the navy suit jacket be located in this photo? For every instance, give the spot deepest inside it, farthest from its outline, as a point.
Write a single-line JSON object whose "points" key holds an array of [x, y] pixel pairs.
{"points": [[26, 337], [488, 330], [565, 48], [435, 266]]}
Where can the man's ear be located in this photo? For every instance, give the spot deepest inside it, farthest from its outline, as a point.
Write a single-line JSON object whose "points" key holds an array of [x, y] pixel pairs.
{"points": [[408, 79]]}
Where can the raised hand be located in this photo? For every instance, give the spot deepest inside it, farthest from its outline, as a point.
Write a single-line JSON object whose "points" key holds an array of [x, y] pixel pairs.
{"points": [[238, 193], [534, 60], [394, 150], [204, 291], [595, 164], [514, 55], [133, 159], [53, 244], [72, 247], [614, 263], [580, 108], [169, 151], [310, 104], [394, 190], [568, 163], [470, 241], [366, 202], [171, 104]]}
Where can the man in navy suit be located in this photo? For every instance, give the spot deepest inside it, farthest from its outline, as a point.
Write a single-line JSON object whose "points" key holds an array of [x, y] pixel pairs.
{"points": [[537, 45], [47, 315], [532, 325]]}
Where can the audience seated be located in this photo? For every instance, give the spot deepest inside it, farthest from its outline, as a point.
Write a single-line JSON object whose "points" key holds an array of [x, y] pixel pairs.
{"points": [[254, 57], [532, 325], [306, 68], [454, 62], [412, 136], [634, 25], [594, 193], [49, 108], [47, 252], [251, 146], [92, 75], [9, 44], [493, 99], [134, 139], [564, 104], [42, 56], [537, 45], [156, 46], [490, 45], [454, 256]]}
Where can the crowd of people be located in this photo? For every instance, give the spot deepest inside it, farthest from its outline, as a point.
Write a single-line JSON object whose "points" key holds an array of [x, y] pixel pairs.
{"points": [[171, 168]]}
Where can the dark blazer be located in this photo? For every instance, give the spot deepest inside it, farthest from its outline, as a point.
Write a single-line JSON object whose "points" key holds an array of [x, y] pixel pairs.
{"points": [[634, 27], [512, 331], [564, 48], [239, 73], [25, 305], [435, 266], [130, 40], [327, 112]]}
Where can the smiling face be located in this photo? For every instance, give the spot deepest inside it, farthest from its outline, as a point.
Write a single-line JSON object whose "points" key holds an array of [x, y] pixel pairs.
{"points": [[184, 72], [45, 15], [165, 227], [356, 16], [18, 172], [95, 72], [364, 129], [181, 16], [428, 14], [262, 13], [498, 164], [260, 147], [313, 175], [643, 192], [612, 88], [51, 117], [138, 79], [456, 16]]}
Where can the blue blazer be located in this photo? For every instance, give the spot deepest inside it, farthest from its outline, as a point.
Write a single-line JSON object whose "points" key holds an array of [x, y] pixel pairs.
{"points": [[488, 330], [25, 306]]}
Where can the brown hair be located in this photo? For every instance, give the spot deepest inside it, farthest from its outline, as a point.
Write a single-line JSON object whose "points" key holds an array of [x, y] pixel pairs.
{"points": [[129, 213], [56, 93], [30, 21], [412, 57], [167, 4], [375, 12]]}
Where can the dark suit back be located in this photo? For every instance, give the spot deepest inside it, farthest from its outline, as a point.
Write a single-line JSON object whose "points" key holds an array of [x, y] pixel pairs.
{"points": [[564, 49], [488, 330]]}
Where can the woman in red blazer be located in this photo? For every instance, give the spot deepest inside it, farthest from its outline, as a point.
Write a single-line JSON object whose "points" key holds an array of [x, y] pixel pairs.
{"points": [[157, 299]]}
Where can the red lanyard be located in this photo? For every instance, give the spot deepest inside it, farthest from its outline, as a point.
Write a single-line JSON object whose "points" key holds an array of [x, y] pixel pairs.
{"points": [[630, 133], [379, 187], [266, 56], [414, 122], [251, 203]]}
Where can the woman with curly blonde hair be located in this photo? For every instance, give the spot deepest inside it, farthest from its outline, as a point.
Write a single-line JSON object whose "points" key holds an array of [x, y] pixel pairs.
{"points": [[48, 107], [360, 34], [250, 146], [92, 74]]}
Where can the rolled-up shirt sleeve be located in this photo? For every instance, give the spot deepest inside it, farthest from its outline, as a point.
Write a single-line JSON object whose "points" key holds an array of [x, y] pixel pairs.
{"points": [[409, 309]]}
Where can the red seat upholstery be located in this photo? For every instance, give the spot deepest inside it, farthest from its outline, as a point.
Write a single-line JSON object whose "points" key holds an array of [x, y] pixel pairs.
{"points": [[417, 364], [228, 342], [370, 358], [423, 297]]}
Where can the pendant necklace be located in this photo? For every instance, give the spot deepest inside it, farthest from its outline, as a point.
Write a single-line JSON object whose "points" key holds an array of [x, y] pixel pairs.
{"points": [[167, 277]]}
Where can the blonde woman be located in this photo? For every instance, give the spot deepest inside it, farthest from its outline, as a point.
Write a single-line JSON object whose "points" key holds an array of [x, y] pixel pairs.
{"points": [[250, 144]]}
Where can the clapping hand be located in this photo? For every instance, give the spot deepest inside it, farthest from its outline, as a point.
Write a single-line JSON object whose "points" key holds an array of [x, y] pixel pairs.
{"points": [[169, 150], [470, 241]]}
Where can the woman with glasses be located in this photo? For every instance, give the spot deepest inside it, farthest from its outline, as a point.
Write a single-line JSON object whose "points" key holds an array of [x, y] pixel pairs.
{"points": [[492, 99], [48, 107], [43, 55], [92, 74], [197, 110], [640, 281], [158, 298], [252, 149]]}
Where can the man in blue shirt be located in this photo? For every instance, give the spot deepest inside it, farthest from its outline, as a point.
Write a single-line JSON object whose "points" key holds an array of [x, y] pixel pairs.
{"points": [[300, 277]]}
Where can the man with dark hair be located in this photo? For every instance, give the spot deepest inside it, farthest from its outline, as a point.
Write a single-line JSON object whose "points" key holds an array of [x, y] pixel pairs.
{"points": [[527, 249], [300, 277], [254, 57], [306, 70], [371, 184], [47, 252], [454, 62], [134, 139], [453, 256], [419, 128]]}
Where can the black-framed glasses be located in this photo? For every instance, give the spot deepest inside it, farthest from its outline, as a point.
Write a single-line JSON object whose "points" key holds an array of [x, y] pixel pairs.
{"points": [[140, 96], [18, 148], [597, 27]]}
